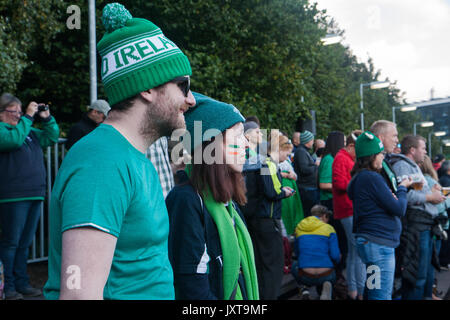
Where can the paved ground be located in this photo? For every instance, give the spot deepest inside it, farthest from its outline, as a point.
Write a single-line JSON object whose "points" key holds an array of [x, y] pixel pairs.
{"points": [[38, 277], [443, 287]]}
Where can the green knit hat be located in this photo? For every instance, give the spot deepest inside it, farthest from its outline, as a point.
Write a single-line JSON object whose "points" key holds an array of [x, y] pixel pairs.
{"points": [[368, 144], [306, 137], [213, 116], [136, 56]]}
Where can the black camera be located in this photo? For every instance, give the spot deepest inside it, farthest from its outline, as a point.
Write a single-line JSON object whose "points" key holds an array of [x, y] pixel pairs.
{"points": [[42, 107]]}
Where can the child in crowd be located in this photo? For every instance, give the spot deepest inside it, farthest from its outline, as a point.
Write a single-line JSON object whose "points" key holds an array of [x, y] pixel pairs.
{"points": [[317, 250]]}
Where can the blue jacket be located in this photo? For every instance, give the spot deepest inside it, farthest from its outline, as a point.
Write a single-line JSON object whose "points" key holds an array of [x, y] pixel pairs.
{"points": [[316, 244], [22, 168], [376, 213]]}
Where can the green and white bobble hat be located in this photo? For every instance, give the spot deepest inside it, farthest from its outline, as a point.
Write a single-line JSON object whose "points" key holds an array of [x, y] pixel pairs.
{"points": [[136, 56], [368, 144]]}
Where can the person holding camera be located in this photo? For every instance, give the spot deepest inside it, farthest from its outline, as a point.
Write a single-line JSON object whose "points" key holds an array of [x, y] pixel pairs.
{"points": [[22, 186]]}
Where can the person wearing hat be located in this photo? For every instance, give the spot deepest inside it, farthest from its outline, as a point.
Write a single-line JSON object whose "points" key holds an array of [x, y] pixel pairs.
{"points": [[306, 170], [376, 218], [90, 120], [210, 248], [108, 220], [263, 214], [254, 136]]}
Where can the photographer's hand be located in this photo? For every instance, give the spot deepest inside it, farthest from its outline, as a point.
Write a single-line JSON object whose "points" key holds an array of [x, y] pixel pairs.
{"points": [[44, 114], [32, 109]]}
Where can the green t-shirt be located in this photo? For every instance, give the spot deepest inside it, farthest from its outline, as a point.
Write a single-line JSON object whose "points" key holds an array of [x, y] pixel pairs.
{"points": [[325, 175], [107, 184]]}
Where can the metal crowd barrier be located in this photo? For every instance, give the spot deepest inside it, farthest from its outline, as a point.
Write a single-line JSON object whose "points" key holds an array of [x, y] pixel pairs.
{"points": [[53, 157]]}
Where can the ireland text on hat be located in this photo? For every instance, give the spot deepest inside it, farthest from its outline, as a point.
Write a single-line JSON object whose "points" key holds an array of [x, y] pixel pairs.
{"points": [[132, 55]]}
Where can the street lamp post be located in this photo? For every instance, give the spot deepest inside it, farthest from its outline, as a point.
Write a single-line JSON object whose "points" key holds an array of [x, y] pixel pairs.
{"points": [[92, 52], [402, 109], [436, 134], [372, 85], [423, 124]]}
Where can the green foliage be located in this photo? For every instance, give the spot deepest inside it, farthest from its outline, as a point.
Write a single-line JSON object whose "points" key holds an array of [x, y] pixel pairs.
{"points": [[264, 56], [24, 25]]}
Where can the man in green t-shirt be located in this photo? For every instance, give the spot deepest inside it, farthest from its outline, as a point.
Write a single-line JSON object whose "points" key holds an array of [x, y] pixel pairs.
{"points": [[108, 220]]}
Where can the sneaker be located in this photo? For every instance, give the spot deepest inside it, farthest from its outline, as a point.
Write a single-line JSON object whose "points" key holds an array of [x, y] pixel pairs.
{"points": [[30, 292], [326, 291], [305, 294], [13, 295]]}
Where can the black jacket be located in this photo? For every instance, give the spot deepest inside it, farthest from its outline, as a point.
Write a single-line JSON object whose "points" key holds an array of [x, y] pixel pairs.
{"points": [[80, 129], [415, 222], [263, 201], [305, 168], [445, 180]]}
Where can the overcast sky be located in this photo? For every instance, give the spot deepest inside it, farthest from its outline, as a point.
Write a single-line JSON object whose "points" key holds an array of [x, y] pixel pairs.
{"points": [[409, 40]]}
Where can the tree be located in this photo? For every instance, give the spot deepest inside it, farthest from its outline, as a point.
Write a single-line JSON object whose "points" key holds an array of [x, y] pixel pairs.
{"points": [[24, 26], [263, 56]]}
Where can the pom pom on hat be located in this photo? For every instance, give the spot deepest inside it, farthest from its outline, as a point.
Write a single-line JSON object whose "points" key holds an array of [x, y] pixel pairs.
{"points": [[115, 16]]}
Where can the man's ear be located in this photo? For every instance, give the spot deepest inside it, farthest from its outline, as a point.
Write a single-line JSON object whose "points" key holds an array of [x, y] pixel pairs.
{"points": [[148, 95]]}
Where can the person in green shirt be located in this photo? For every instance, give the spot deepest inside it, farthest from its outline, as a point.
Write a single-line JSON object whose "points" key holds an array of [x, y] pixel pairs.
{"points": [[335, 142], [108, 221]]}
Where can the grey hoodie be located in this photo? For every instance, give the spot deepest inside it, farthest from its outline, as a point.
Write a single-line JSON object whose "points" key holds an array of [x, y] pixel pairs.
{"points": [[402, 165]]}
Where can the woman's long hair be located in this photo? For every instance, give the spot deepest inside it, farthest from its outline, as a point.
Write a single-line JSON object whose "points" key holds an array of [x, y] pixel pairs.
{"points": [[427, 168], [335, 142], [224, 183], [364, 163]]}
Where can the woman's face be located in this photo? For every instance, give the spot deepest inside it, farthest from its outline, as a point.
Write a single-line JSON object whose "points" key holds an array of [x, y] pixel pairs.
{"points": [[284, 154], [234, 147], [351, 150], [378, 162], [11, 115], [254, 136]]}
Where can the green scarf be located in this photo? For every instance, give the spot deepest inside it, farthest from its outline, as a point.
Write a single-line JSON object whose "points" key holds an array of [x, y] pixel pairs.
{"points": [[234, 237]]}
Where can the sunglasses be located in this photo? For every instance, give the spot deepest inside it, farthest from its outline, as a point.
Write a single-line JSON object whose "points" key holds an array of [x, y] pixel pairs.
{"points": [[184, 83], [14, 112]]}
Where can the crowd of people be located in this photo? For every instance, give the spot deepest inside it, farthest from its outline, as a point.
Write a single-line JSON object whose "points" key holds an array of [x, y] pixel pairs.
{"points": [[223, 214]]}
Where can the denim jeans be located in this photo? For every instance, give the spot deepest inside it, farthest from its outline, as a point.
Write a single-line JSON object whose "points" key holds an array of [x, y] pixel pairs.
{"points": [[19, 221], [430, 276], [380, 268], [425, 252], [356, 269]]}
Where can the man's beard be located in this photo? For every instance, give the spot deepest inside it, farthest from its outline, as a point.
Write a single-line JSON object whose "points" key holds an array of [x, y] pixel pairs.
{"points": [[161, 118]]}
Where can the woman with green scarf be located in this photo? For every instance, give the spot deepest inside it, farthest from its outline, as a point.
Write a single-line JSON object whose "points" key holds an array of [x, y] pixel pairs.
{"points": [[209, 246]]}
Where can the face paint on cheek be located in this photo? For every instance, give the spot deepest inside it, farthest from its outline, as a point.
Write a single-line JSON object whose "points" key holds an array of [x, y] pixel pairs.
{"points": [[234, 151]]}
